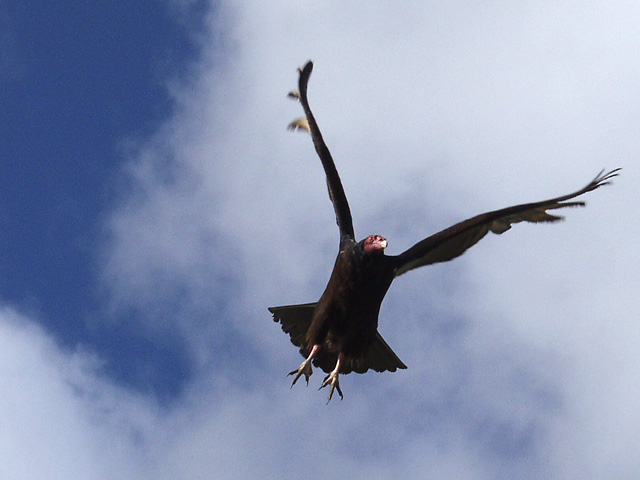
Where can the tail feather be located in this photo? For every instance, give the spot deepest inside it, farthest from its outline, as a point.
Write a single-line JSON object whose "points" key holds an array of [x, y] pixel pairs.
{"points": [[295, 321], [381, 357]]}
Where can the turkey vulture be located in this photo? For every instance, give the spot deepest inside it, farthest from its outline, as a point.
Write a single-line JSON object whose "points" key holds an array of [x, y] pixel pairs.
{"points": [[339, 333]]}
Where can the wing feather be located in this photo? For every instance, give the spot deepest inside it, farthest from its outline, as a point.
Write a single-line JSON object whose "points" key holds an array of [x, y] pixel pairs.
{"points": [[454, 241], [336, 191]]}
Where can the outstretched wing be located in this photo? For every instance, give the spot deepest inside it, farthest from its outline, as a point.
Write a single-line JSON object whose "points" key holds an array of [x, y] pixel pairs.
{"points": [[454, 241], [336, 191], [296, 319]]}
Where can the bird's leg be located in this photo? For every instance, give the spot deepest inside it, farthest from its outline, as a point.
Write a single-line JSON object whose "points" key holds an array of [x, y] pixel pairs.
{"points": [[305, 367], [332, 379]]}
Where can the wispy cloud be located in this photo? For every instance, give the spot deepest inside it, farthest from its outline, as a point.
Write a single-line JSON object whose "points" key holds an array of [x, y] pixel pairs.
{"points": [[521, 354], [62, 418]]}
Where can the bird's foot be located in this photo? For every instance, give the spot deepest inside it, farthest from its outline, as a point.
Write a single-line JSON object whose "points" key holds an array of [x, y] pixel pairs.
{"points": [[332, 379], [303, 369]]}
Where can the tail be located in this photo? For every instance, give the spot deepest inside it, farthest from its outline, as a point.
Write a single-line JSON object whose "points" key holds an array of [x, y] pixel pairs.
{"points": [[296, 319]]}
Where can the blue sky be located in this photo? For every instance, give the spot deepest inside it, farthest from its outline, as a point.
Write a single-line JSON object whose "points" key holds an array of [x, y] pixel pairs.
{"points": [[152, 205], [79, 84]]}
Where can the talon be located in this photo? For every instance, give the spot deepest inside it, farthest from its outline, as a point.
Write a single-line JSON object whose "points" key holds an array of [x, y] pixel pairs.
{"points": [[304, 369], [332, 379]]}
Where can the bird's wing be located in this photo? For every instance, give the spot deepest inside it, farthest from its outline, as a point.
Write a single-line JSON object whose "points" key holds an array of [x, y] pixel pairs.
{"points": [[454, 241], [336, 191]]}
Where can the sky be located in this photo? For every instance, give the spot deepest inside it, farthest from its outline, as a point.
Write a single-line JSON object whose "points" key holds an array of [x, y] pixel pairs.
{"points": [[153, 205]]}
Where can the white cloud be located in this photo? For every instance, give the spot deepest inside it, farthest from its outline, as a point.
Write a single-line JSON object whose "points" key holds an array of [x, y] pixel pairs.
{"points": [[522, 358], [442, 108], [60, 417]]}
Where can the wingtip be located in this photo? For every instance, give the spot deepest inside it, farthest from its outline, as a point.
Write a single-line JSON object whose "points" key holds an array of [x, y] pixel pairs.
{"points": [[305, 72], [307, 66], [605, 178]]}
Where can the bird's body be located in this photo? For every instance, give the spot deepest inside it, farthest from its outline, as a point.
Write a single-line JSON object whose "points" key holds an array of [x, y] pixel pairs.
{"points": [[339, 333], [346, 317]]}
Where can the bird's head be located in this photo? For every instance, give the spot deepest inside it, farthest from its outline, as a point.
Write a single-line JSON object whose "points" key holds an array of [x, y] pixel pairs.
{"points": [[374, 244]]}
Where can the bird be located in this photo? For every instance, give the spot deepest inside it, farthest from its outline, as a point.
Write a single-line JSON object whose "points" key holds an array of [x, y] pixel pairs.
{"points": [[339, 333]]}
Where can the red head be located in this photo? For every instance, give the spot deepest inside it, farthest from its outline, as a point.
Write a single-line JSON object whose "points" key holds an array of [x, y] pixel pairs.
{"points": [[375, 244]]}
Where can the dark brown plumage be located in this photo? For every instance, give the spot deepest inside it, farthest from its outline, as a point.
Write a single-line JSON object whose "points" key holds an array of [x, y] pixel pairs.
{"points": [[339, 333]]}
